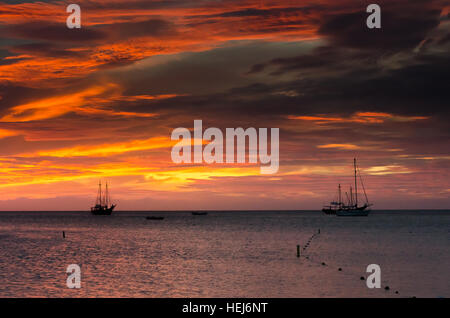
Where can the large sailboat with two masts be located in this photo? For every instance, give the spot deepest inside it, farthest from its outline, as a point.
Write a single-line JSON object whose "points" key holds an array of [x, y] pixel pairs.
{"points": [[103, 205], [349, 205]]}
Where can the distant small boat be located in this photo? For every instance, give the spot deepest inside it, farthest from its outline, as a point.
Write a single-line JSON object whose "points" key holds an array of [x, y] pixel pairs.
{"points": [[199, 213], [154, 217], [102, 205], [351, 207]]}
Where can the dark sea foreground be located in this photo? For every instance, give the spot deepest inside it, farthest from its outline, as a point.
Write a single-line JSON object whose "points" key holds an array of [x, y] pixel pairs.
{"points": [[225, 254]]}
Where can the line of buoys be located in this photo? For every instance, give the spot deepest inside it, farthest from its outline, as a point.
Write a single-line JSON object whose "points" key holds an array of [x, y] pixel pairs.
{"points": [[309, 241], [386, 288]]}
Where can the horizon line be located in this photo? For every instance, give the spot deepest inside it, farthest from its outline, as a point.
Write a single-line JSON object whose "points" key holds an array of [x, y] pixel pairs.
{"points": [[229, 210]]}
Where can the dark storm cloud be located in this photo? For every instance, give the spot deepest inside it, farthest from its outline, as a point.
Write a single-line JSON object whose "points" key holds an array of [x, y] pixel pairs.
{"points": [[200, 73], [350, 40], [399, 31], [58, 32], [273, 12], [282, 19], [444, 40], [350, 45], [139, 4], [358, 69], [420, 89], [322, 56], [404, 24], [54, 32], [45, 49], [324, 79], [151, 27]]}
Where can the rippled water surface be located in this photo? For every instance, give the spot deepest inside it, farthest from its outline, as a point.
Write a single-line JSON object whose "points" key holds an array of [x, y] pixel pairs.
{"points": [[224, 254]]}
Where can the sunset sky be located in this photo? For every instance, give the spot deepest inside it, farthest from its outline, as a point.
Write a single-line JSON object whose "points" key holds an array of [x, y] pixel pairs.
{"points": [[99, 103]]}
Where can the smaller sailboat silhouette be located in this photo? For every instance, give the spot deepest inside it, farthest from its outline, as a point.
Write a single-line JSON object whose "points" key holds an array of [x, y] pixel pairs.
{"points": [[103, 204], [351, 207]]}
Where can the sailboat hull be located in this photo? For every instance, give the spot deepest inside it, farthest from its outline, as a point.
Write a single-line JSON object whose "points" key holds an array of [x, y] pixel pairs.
{"points": [[102, 210], [329, 211], [353, 212]]}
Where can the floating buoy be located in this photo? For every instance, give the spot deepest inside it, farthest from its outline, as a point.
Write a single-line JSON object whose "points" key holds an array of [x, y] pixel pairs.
{"points": [[323, 263], [298, 250], [386, 288], [362, 278], [64, 234], [340, 269], [396, 291]]}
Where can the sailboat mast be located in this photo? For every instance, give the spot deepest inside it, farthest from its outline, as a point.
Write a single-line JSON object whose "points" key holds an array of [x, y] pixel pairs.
{"points": [[356, 186], [340, 200], [351, 196], [99, 192], [106, 195]]}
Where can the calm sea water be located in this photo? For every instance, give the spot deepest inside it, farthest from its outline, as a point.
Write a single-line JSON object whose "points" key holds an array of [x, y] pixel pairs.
{"points": [[224, 254]]}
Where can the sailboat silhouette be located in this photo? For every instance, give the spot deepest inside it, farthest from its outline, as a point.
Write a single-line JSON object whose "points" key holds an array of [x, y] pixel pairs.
{"points": [[351, 207], [103, 204]]}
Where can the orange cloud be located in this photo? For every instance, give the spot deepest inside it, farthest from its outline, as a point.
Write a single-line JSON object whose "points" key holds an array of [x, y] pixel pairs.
{"points": [[52, 106], [340, 146], [7, 133], [90, 101], [359, 117]]}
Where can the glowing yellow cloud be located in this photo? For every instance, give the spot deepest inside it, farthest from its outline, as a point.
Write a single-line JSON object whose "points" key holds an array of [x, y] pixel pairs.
{"points": [[386, 170], [340, 146], [190, 174], [108, 149]]}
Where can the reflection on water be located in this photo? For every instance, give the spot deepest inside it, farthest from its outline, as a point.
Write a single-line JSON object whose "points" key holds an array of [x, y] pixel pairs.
{"points": [[224, 254]]}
